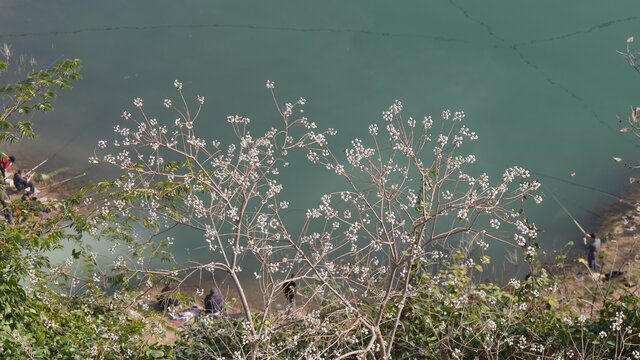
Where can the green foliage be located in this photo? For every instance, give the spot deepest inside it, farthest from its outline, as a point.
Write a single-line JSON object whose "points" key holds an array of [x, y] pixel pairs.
{"points": [[57, 311], [448, 316], [451, 314], [50, 311], [35, 93]]}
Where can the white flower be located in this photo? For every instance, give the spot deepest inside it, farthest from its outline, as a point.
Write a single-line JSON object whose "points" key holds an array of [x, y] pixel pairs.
{"points": [[515, 283], [530, 251], [396, 108], [617, 324], [167, 103], [137, 102], [427, 122], [177, 84], [270, 84]]}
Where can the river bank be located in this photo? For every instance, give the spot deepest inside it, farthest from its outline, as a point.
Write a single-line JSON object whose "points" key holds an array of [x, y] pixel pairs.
{"points": [[583, 291], [618, 274]]}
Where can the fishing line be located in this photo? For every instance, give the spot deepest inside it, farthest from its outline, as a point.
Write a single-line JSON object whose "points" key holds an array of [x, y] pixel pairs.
{"points": [[68, 142], [56, 154], [572, 203], [82, 131], [47, 68], [568, 213], [584, 186]]}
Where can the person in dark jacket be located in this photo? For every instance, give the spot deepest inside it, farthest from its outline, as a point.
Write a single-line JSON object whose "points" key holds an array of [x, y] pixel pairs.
{"points": [[593, 245], [213, 302], [22, 182], [289, 288], [168, 297]]}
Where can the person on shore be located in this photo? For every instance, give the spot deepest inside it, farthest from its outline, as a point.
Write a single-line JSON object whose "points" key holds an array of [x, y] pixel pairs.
{"points": [[593, 245], [22, 182], [5, 162], [289, 288], [213, 302], [6, 209], [168, 296], [33, 203], [28, 196]]}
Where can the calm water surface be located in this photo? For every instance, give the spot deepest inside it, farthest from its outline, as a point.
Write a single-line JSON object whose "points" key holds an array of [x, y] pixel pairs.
{"points": [[540, 82]]}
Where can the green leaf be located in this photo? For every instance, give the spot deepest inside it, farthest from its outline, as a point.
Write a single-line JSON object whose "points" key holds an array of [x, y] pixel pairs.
{"points": [[155, 353]]}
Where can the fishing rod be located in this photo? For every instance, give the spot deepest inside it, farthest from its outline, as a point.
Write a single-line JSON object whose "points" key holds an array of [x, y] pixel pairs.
{"points": [[583, 186], [37, 166], [64, 181], [568, 213], [81, 174]]}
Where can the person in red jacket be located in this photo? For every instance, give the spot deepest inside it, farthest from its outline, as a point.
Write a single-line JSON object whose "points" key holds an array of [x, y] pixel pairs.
{"points": [[5, 162]]}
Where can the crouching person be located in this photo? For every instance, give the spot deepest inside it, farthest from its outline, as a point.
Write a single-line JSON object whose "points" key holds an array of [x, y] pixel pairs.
{"points": [[213, 302], [168, 297], [21, 182]]}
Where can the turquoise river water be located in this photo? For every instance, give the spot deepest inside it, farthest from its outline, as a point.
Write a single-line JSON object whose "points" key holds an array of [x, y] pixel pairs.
{"points": [[540, 81]]}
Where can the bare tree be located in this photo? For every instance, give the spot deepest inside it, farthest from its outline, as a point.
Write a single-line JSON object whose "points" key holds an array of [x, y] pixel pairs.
{"points": [[408, 192]]}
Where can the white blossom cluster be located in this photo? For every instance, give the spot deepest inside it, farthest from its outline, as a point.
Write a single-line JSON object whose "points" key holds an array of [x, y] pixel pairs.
{"points": [[399, 184]]}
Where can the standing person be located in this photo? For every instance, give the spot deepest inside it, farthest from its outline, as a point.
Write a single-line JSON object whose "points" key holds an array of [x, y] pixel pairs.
{"points": [[21, 182], [289, 290], [5, 162], [213, 302], [594, 248], [4, 200]]}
